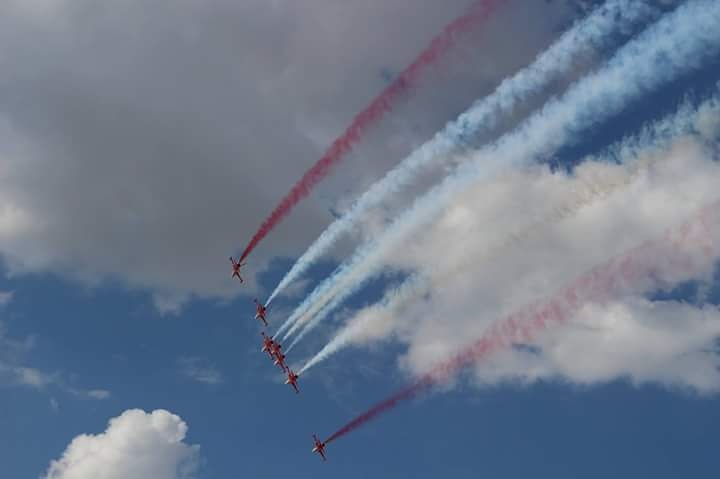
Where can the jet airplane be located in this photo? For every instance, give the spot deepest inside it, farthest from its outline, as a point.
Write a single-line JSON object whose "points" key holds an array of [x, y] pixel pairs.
{"points": [[236, 265], [292, 380], [280, 360], [260, 312], [276, 348], [319, 447], [268, 345]]}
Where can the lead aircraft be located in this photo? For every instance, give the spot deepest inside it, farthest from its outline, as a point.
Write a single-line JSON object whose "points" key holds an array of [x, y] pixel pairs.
{"points": [[236, 265]]}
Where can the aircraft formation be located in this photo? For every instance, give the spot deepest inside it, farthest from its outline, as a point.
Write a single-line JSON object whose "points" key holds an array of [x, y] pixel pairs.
{"points": [[668, 45], [273, 348]]}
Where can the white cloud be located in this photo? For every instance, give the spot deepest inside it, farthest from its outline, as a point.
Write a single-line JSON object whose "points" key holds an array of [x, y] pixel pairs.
{"points": [[98, 394], [33, 377], [169, 304], [41, 380], [200, 370], [6, 297], [664, 342], [708, 123], [12, 351], [154, 172], [476, 275], [135, 445], [13, 368]]}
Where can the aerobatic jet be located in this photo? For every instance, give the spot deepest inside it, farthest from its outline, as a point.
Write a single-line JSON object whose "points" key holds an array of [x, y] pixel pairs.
{"points": [[319, 447], [268, 345], [260, 312], [236, 269], [280, 360], [276, 348], [292, 380]]}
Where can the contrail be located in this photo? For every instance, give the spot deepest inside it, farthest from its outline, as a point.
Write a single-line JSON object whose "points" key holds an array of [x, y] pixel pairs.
{"points": [[640, 152], [640, 269], [679, 42], [581, 39], [382, 104]]}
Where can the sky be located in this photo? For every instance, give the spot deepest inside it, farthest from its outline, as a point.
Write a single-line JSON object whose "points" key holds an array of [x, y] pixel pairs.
{"points": [[141, 144]]}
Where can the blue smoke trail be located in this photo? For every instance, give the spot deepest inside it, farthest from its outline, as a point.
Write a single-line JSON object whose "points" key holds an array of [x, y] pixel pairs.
{"points": [[590, 33], [483, 115], [634, 152], [678, 42]]}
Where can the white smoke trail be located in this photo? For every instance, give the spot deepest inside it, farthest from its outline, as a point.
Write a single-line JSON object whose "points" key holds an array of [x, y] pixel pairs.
{"points": [[375, 315], [639, 153], [680, 41], [582, 38]]}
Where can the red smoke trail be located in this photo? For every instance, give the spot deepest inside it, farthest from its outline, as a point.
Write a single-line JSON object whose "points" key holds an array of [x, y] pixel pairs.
{"points": [[616, 275], [375, 111], [404, 395]]}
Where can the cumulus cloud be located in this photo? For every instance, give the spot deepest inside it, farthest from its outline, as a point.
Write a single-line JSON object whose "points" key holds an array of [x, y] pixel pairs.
{"points": [[136, 445], [665, 342], [146, 144]]}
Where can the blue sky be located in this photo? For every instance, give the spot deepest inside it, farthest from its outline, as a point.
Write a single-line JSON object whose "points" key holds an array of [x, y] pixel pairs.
{"points": [[249, 423], [85, 332]]}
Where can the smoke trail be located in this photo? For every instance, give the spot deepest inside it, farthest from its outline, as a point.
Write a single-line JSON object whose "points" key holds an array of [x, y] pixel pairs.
{"points": [[680, 41], [383, 103], [636, 151], [638, 269], [356, 327], [586, 35]]}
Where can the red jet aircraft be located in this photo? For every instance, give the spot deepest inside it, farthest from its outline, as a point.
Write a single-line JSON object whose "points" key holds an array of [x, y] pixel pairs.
{"points": [[260, 312], [236, 269], [268, 345], [276, 348], [292, 380], [319, 447], [280, 360]]}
